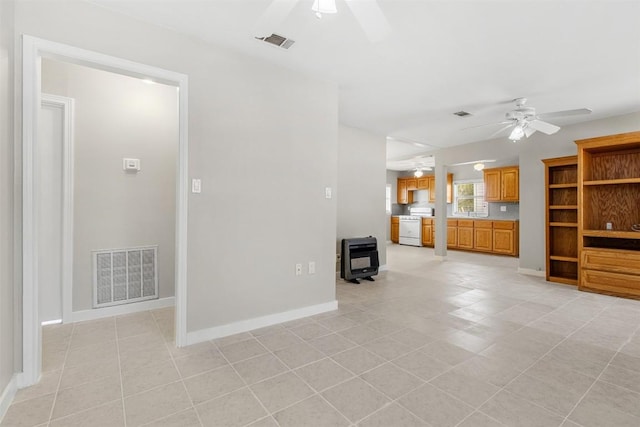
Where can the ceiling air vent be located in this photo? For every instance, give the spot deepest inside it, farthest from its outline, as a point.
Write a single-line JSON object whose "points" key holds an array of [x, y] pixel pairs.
{"points": [[462, 113], [277, 40]]}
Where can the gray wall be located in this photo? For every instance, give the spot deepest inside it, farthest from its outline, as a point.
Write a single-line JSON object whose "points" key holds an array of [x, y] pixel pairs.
{"points": [[361, 187], [7, 329], [259, 134], [116, 117], [529, 153]]}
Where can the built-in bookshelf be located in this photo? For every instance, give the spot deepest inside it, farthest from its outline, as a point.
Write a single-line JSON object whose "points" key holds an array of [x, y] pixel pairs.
{"points": [[561, 219], [609, 205]]}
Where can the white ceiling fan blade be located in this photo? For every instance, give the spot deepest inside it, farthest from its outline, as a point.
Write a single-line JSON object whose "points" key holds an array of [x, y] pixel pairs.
{"points": [[499, 131], [510, 122], [275, 15], [371, 19], [528, 131], [543, 127], [564, 113]]}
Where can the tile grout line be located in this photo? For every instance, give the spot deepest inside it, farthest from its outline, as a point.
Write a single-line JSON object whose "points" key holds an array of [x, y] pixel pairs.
{"points": [[64, 362]]}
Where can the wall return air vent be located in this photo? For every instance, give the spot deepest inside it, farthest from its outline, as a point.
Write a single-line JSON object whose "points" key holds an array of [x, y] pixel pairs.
{"points": [[122, 276], [277, 40]]}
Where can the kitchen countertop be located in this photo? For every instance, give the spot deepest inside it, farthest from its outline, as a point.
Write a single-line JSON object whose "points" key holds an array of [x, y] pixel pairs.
{"points": [[484, 218]]}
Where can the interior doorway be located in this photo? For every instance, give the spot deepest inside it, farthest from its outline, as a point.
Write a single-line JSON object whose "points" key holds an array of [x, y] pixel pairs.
{"points": [[34, 50]]}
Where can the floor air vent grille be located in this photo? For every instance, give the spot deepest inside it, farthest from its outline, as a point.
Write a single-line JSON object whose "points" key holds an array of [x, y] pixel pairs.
{"points": [[121, 276]]}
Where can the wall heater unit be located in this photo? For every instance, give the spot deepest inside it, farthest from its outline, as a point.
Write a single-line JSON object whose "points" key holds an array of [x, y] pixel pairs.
{"points": [[359, 259], [122, 276]]}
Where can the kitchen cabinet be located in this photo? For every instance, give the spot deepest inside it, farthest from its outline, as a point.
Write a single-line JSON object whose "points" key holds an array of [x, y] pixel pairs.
{"points": [[483, 236], [404, 195], [465, 234], [395, 229], [432, 188], [412, 184], [423, 183], [427, 232], [502, 184], [452, 233], [505, 237]]}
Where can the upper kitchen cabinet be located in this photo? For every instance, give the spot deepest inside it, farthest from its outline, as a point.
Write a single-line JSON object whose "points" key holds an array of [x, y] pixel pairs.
{"points": [[404, 194], [423, 183], [502, 184], [432, 188]]}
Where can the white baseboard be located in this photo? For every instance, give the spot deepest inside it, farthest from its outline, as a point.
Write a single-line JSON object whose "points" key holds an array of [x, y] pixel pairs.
{"points": [[117, 310], [531, 272], [258, 322], [383, 268], [440, 258], [7, 396]]}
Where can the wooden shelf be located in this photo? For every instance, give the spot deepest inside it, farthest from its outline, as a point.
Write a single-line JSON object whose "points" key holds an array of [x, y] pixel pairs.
{"points": [[563, 258], [569, 185], [563, 224], [563, 207], [612, 181], [612, 234], [565, 280]]}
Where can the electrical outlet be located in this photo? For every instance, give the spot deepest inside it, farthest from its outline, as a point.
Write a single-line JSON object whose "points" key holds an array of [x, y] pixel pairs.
{"points": [[338, 257], [298, 269], [503, 208], [312, 267]]}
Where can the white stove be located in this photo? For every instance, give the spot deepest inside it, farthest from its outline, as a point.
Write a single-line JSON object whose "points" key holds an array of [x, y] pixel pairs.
{"points": [[410, 230]]}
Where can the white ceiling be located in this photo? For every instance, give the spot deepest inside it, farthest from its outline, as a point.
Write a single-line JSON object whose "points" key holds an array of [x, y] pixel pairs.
{"points": [[439, 57]]}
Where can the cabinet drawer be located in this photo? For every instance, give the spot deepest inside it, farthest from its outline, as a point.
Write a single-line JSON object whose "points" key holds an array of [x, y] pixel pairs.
{"points": [[614, 261], [614, 283], [427, 221], [483, 224], [395, 220], [504, 225], [452, 222], [465, 223]]}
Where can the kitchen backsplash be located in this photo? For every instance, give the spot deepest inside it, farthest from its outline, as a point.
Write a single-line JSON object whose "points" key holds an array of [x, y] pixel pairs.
{"points": [[513, 209]]}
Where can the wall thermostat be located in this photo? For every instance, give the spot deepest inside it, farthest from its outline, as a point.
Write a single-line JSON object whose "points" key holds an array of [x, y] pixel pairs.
{"points": [[131, 165]]}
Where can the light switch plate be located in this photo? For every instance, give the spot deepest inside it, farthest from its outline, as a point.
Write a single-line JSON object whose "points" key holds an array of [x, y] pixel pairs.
{"points": [[131, 164], [196, 186], [327, 192]]}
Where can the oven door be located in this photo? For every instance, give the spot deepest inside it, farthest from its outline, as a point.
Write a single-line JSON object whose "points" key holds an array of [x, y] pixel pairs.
{"points": [[410, 232]]}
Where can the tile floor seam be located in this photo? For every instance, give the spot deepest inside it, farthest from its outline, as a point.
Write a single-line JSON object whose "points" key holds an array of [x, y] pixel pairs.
{"points": [[124, 409], [602, 372], [175, 366], [55, 397]]}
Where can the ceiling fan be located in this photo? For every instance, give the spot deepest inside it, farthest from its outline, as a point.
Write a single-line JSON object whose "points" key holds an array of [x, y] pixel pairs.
{"points": [[525, 122], [366, 12]]}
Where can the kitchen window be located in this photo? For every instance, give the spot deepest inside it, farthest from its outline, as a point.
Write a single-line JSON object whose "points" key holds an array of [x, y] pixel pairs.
{"points": [[469, 199], [388, 199]]}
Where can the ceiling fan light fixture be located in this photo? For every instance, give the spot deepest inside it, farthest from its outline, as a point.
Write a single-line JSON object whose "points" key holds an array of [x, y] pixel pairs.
{"points": [[324, 6], [478, 166], [517, 133], [418, 173]]}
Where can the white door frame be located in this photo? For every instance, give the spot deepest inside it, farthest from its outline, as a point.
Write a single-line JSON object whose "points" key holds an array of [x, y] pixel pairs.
{"points": [[66, 279], [33, 49]]}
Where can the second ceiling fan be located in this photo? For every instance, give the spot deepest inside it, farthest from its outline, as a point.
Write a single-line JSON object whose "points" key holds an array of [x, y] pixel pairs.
{"points": [[525, 122]]}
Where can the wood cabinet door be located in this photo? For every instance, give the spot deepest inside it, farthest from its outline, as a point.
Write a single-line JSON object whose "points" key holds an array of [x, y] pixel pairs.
{"points": [[492, 186], [395, 232], [452, 236], [450, 188], [412, 184], [427, 235], [465, 237], [503, 241], [510, 185], [483, 239], [423, 183], [432, 189], [403, 193]]}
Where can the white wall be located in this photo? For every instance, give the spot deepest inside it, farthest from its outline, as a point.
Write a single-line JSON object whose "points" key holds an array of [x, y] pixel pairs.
{"points": [[361, 187], [7, 329], [116, 117], [263, 139]]}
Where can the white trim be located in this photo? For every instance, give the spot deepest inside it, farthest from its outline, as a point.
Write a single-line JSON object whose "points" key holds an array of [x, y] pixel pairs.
{"points": [[440, 257], [67, 106], [531, 272], [383, 268], [33, 49], [7, 395], [118, 310], [52, 322], [258, 322]]}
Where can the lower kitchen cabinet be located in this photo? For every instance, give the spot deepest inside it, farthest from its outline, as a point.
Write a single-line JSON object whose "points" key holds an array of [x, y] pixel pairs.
{"points": [[395, 229], [452, 233], [465, 234], [505, 237], [483, 236], [427, 232]]}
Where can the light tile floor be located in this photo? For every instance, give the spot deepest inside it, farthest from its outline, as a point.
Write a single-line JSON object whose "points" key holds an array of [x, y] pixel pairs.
{"points": [[465, 342]]}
